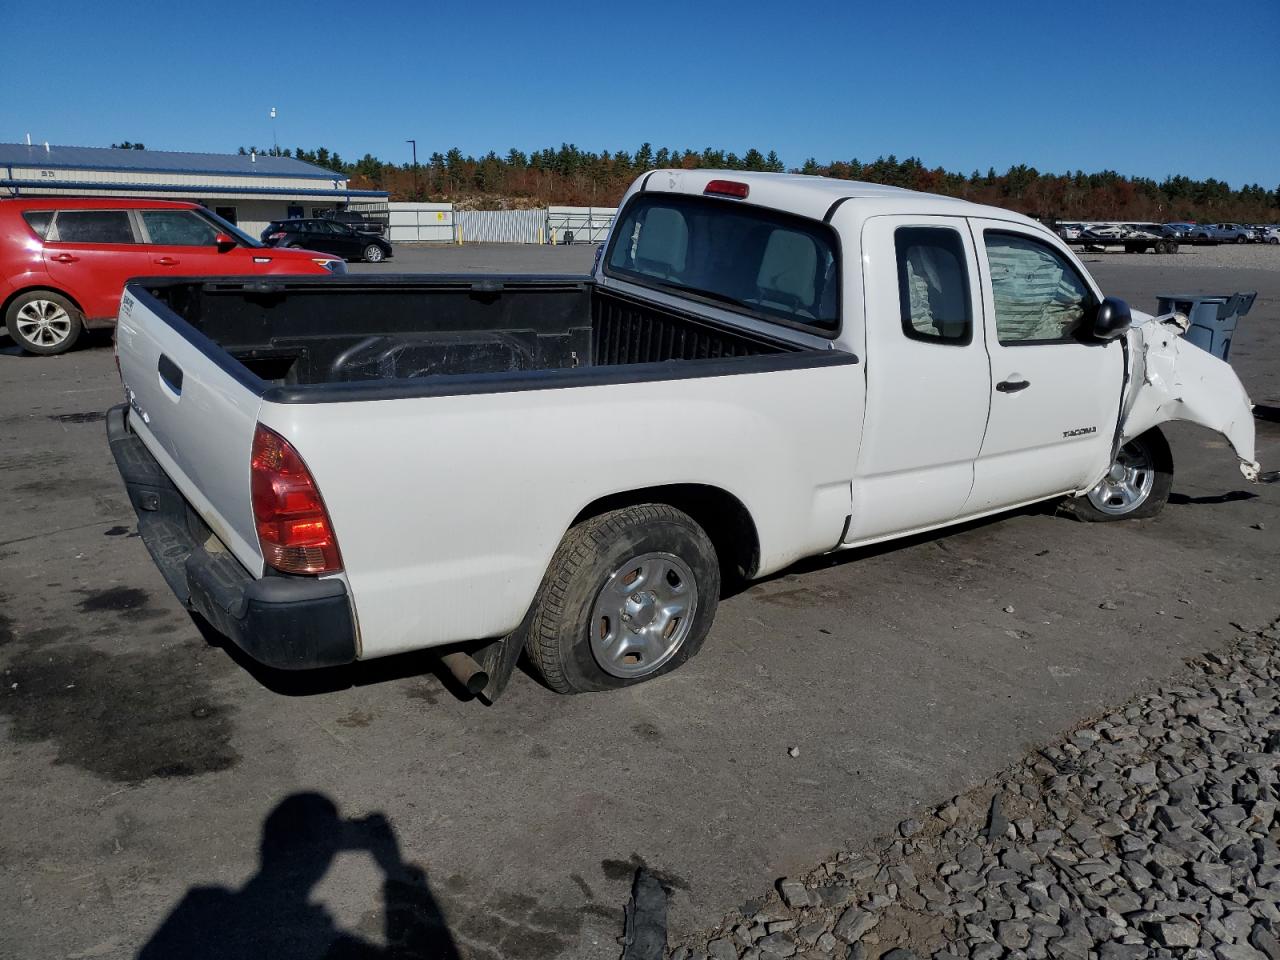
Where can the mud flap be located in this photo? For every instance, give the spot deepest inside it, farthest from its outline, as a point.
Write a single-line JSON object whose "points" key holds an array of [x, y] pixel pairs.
{"points": [[498, 659], [1171, 379]]}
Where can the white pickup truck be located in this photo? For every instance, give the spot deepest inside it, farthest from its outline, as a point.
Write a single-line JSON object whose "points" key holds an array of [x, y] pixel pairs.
{"points": [[761, 368]]}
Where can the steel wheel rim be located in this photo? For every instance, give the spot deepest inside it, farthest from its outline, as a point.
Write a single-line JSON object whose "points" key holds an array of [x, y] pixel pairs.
{"points": [[43, 323], [642, 615], [1128, 482], [373, 254]]}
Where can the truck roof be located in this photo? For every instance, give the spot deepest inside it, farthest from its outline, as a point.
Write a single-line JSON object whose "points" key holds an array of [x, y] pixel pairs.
{"points": [[816, 196]]}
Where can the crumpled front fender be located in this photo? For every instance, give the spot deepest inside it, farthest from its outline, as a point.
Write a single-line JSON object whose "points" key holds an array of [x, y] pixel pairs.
{"points": [[1171, 379]]}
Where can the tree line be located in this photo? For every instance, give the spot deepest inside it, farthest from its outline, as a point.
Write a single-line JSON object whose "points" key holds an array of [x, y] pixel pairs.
{"points": [[571, 175]]}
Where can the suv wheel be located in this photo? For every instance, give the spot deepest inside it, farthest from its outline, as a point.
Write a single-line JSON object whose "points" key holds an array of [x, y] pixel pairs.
{"points": [[373, 254], [44, 322]]}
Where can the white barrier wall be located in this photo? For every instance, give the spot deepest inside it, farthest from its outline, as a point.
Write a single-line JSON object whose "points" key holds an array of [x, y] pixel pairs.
{"points": [[420, 222], [587, 224]]}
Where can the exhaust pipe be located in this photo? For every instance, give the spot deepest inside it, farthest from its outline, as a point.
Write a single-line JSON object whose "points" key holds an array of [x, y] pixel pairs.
{"points": [[466, 671]]}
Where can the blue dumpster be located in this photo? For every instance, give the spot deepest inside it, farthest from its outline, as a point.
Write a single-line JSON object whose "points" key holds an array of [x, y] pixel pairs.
{"points": [[1213, 317]]}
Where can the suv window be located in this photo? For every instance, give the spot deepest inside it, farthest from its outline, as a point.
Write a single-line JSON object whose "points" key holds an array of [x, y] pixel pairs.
{"points": [[1037, 295], [94, 226], [752, 259], [933, 285], [179, 228], [39, 221]]}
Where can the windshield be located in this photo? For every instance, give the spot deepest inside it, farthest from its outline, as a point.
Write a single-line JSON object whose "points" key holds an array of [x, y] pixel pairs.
{"points": [[225, 227], [750, 258]]}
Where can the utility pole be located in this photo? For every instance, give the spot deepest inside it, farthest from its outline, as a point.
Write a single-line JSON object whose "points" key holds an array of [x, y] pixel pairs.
{"points": [[417, 191]]}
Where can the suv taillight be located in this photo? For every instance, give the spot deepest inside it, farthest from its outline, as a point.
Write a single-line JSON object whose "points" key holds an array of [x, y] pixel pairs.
{"points": [[293, 525]]}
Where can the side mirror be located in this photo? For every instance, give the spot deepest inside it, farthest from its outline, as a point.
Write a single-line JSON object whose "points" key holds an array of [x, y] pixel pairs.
{"points": [[1111, 319], [225, 242]]}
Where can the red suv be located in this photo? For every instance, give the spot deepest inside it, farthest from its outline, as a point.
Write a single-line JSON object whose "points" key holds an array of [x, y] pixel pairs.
{"points": [[64, 260]]}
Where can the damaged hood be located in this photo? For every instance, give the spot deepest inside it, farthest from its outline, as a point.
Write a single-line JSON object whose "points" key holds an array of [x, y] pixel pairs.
{"points": [[1171, 379]]}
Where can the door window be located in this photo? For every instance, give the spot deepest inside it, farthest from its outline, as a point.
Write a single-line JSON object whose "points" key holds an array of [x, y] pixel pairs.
{"points": [[1037, 295], [178, 228], [933, 285], [93, 226]]}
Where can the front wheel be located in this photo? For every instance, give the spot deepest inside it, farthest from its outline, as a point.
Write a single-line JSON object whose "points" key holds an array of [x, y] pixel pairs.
{"points": [[1242, 239], [373, 254], [628, 596], [44, 322], [1136, 485]]}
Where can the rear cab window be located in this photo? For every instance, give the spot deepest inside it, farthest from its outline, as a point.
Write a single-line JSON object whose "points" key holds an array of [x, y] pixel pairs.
{"points": [[749, 259]]}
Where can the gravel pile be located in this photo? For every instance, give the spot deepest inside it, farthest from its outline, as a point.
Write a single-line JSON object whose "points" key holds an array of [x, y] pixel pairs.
{"points": [[1150, 833]]}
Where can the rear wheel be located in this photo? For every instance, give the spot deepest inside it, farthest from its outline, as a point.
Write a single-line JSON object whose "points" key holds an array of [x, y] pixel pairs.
{"points": [[1136, 485], [44, 322], [373, 254], [628, 596]]}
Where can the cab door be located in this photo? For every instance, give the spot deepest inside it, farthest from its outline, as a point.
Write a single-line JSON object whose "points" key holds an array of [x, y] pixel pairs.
{"points": [[1055, 392], [90, 254], [928, 377]]}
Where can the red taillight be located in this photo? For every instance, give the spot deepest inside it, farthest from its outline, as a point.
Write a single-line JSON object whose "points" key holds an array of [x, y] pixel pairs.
{"points": [[728, 188], [293, 525]]}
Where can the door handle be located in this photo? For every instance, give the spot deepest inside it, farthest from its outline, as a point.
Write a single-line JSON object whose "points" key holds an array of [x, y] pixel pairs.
{"points": [[171, 374], [166, 261], [64, 258], [1012, 386]]}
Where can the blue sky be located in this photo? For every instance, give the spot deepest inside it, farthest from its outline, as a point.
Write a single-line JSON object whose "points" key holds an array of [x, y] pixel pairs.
{"points": [[1146, 87]]}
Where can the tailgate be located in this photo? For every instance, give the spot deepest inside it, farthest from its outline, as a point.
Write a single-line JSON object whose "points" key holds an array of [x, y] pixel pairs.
{"points": [[195, 407]]}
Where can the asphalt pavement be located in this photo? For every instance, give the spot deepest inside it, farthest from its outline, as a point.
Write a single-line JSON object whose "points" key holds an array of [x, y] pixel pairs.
{"points": [[141, 763]]}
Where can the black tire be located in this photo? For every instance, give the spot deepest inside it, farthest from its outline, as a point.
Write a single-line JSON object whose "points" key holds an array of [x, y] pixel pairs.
{"points": [[20, 311], [1153, 448], [1242, 239], [590, 554], [1172, 246], [374, 254]]}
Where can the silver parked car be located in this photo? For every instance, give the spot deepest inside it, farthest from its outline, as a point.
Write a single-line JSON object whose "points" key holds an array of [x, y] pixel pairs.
{"points": [[1222, 232]]}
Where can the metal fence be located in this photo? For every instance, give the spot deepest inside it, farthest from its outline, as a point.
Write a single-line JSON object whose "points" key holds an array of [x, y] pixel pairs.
{"points": [[441, 223], [579, 224], [415, 222], [502, 226]]}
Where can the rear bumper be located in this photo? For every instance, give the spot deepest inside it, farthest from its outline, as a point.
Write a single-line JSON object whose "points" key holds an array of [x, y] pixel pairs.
{"points": [[290, 623]]}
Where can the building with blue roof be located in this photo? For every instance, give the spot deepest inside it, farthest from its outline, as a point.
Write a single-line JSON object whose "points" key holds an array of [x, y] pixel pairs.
{"points": [[248, 189]]}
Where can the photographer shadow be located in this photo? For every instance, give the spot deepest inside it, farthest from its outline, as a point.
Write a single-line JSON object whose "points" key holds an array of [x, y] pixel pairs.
{"points": [[272, 916]]}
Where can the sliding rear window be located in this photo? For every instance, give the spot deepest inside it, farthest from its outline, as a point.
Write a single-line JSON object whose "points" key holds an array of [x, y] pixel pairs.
{"points": [[741, 257]]}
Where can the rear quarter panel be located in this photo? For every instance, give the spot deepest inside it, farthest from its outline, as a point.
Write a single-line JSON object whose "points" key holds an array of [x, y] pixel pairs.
{"points": [[447, 509]]}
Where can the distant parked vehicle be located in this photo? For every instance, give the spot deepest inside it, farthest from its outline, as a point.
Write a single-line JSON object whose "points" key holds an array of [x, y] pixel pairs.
{"points": [[1134, 237], [1068, 230], [327, 236], [1222, 232], [1271, 234], [356, 221]]}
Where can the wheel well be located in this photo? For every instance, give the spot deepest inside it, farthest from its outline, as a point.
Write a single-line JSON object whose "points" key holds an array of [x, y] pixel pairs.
{"points": [[725, 518], [4, 308]]}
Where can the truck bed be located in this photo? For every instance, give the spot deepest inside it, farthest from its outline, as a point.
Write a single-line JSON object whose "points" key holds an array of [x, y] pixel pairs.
{"points": [[309, 341]]}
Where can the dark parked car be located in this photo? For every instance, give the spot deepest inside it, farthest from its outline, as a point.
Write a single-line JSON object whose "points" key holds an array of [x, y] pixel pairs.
{"points": [[327, 236], [355, 221]]}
